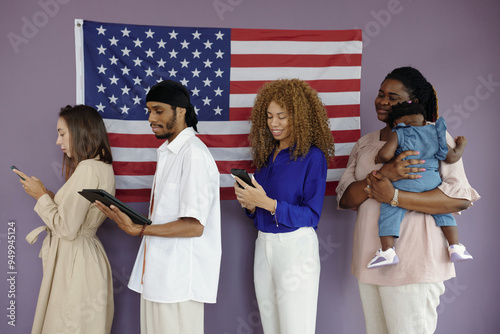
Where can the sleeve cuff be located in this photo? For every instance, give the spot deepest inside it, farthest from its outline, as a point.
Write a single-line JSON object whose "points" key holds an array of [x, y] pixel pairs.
{"points": [[452, 191]]}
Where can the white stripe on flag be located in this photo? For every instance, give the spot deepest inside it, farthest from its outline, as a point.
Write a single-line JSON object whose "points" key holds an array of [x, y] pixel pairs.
{"points": [[231, 154], [221, 128], [334, 174], [134, 182], [126, 154], [121, 154], [304, 73], [344, 123], [145, 181], [127, 127], [343, 149], [328, 99], [296, 47]]}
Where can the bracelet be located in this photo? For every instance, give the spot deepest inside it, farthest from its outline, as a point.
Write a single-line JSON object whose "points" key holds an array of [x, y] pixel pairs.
{"points": [[143, 229], [275, 207]]}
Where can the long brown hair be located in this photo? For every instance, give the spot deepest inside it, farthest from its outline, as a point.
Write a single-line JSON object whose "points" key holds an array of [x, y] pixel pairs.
{"points": [[88, 137], [309, 120]]}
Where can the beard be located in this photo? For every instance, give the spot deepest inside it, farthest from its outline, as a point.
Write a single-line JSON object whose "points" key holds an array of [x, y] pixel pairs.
{"points": [[165, 135], [168, 127]]}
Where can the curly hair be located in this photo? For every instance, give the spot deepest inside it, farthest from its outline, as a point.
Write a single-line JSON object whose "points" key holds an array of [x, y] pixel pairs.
{"points": [[404, 109], [308, 118], [418, 88]]}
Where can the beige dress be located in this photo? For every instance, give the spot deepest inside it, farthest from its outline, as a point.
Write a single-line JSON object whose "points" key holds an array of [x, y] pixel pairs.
{"points": [[76, 294]]}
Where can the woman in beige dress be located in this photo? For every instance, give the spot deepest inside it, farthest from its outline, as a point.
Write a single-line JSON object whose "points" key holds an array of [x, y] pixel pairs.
{"points": [[76, 294]]}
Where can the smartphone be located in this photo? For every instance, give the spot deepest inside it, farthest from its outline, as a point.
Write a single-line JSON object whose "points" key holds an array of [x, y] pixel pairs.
{"points": [[242, 174], [14, 167]]}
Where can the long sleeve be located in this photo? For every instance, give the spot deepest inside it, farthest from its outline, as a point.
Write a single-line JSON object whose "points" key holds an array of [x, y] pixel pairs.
{"points": [[349, 175], [358, 166], [308, 211], [298, 186], [65, 214]]}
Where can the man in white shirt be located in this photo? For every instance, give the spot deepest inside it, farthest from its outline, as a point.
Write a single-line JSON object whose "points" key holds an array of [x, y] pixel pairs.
{"points": [[178, 263]]}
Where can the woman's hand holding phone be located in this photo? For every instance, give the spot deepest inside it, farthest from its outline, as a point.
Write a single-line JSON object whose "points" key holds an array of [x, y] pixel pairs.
{"points": [[32, 185], [243, 175]]}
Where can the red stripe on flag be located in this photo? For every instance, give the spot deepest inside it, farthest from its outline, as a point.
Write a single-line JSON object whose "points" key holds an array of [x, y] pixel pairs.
{"points": [[241, 140], [225, 166], [321, 86], [327, 86], [338, 162], [134, 168], [240, 114], [295, 35], [133, 195], [330, 188], [348, 110], [346, 136], [246, 87], [294, 60], [132, 140], [218, 140], [149, 168], [351, 110], [225, 140], [227, 193]]}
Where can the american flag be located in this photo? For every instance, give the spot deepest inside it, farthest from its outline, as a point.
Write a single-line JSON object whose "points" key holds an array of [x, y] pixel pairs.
{"points": [[223, 69]]}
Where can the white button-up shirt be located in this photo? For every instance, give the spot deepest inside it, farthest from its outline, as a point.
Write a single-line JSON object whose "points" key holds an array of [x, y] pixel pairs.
{"points": [[186, 184]]}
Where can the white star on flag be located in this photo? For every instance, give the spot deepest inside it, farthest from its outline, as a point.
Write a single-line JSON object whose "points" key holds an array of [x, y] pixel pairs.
{"points": [[125, 32]]}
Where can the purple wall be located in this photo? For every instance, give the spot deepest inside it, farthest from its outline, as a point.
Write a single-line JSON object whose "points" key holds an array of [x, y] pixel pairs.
{"points": [[456, 46]]}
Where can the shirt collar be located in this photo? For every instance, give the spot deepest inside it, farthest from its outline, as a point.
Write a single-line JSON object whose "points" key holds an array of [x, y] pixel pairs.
{"points": [[179, 141]]}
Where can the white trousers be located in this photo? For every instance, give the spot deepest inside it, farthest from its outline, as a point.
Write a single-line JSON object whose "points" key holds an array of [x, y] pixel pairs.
{"points": [[404, 309], [172, 318], [286, 277]]}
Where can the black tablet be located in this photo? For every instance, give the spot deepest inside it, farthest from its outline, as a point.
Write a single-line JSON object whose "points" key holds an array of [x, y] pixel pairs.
{"points": [[107, 199]]}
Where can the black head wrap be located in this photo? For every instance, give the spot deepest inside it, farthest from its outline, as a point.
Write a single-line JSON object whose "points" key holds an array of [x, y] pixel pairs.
{"points": [[174, 94]]}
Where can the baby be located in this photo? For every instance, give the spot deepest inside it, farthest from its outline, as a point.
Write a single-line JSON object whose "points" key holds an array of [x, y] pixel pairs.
{"points": [[410, 132]]}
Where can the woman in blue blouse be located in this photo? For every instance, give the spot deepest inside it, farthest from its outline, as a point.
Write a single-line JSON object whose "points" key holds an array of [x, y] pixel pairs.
{"points": [[291, 146]]}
